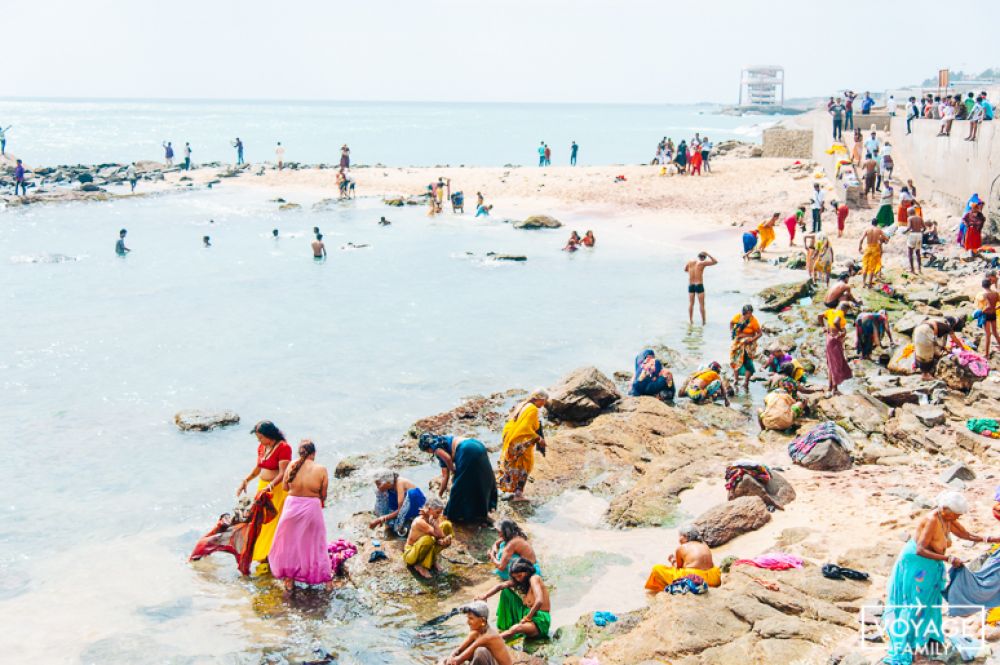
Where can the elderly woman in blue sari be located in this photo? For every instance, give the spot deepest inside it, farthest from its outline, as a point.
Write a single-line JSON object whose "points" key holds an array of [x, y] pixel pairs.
{"points": [[466, 465], [870, 327], [912, 615], [397, 502], [651, 378]]}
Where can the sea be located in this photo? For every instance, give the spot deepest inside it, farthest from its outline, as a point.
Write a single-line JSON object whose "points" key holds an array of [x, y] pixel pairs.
{"points": [[105, 497], [48, 132]]}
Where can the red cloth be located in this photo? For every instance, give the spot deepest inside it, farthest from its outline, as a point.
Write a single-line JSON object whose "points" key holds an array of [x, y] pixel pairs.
{"points": [[282, 452], [842, 213], [836, 362], [238, 539], [974, 221], [903, 214]]}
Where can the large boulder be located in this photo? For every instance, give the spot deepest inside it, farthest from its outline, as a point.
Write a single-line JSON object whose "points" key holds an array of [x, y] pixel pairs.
{"points": [[777, 298], [777, 492], [827, 455], [726, 521], [202, 421], [863, 412], [538, 222], [955, 375], [582, 395]]}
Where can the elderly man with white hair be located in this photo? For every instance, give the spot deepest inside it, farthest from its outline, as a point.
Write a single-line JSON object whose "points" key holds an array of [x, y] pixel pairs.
{"points": [[692, 557], [521, 435], [912, 615], [430, 533]]}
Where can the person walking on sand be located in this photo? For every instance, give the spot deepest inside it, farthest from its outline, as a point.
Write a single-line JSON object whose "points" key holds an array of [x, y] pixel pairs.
{"points": [[279, 152], [168, 153], [319, 249], [818, 206], [695, 269], [541, 153], [19, 179], [3, 138], [238, 144], [120, 248], [871, 259], [914, 240], [573, 148], [131, 175]]}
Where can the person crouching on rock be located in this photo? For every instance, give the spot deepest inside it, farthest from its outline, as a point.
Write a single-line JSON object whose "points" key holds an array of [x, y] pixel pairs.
{"points": [[651, 378], [692, 557], [528, 617], [397, 502], [429, 534], [706, 385], [483, 646], [512, 546]]}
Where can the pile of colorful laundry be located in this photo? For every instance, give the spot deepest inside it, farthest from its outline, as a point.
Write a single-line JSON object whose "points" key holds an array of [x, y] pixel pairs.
{"points": [[803, 445], [340, 551], [985, 426], [744, 467], [772, 561]]}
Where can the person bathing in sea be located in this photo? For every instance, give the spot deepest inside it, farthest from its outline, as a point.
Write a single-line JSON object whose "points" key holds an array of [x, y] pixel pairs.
{"points": [[573, 243], [207, 241], [483, 645], [692, 557], [319, 249], [588, 239], [397, 502], [120, 248], [299, 551], [430, 533], [528, 616], [695, 269], [274, 233]]}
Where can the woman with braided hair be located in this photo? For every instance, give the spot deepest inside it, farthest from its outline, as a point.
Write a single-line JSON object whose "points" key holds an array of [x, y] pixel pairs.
{"points": [[273, 456], [299, 551]]}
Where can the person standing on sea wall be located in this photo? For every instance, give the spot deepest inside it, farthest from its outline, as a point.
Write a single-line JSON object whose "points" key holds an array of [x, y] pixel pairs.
{"points": [[168, 153], [345, 157], [3, 138], [573, 148], [849, 109], [238, 144], [19, 179], [279, 152], [837, 111], [187, 156], [131, 175]]}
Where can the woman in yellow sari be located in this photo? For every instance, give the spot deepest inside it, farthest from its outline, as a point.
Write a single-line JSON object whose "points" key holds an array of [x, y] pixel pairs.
{"points": [[520, 436], [273, 456], [765, 232]]}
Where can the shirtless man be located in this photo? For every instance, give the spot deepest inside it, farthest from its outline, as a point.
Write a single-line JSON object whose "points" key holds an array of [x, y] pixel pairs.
{"points": [[319, 249], [987, 302], [483, 646], [691, 553], [870, 167], [914, 240], [871, 260], [430, 522], [525, 581], [696, 283], [307, 479], [839, 292]]}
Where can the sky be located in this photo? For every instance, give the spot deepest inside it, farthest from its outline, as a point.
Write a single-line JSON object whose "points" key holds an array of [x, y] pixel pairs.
{"points": [[613, 51]]}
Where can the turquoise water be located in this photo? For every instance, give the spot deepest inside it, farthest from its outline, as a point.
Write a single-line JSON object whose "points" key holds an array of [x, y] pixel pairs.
{"points": [[106, 497], [50, 132]]}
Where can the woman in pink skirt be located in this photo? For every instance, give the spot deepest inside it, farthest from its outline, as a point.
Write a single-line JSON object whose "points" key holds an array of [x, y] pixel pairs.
{"points": [[299, 550]]}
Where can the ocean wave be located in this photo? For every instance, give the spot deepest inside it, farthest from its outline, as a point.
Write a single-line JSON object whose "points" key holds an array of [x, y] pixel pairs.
{"points": [[44, 258]]}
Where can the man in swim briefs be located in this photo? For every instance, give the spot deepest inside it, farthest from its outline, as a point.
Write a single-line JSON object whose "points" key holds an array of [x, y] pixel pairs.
{"points": [[695, 269], [840, 292], [319, 249]]}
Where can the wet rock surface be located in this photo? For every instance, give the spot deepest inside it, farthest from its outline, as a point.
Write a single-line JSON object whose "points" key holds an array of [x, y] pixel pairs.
{"points": [[726, 521], [202, 421], [581, 395]]}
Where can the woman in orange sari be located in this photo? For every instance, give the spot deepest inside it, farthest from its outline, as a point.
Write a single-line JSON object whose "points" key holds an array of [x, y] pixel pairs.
{"points": [[521, 434]]}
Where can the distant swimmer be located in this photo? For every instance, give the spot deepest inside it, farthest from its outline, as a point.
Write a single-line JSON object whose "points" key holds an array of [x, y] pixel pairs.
{"points": [[316, 231], [207, 240], [274, 234], [384, 222], [319, 249], [695, 269], [120, 248]]}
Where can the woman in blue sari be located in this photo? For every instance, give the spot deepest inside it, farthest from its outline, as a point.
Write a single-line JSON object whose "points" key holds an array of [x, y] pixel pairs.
{"points": [[651, 378], [912, 616], [466, 465], [397, 502]]}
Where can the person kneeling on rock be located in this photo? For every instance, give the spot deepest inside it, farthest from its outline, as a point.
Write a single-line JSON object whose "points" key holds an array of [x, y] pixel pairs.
{"points": [[706, 385], [692, 557], [429, 534]]}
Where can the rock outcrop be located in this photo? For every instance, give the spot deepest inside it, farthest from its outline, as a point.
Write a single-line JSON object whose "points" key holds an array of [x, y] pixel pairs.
{"points": [[538, 222], [581, 395], [202, 421], [827, 455], [776, 298], [726, 521]]}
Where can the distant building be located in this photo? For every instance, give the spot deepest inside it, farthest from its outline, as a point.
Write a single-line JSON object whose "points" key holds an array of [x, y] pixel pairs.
{"points": [[762, 86]]}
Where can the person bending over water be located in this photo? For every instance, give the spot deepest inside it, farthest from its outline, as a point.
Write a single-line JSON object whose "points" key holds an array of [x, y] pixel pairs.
{"points": [[512, 546], [299, 550], [273, 456], [319, 249], [466, 463], [429, 534], [692, 557], [120, 248], [397, 502], [696, 283], [524, 607], [483, 645], [706, 385]]}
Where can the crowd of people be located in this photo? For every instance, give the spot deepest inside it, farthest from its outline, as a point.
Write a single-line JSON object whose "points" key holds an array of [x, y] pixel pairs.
{"points": [[687, 157]]}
